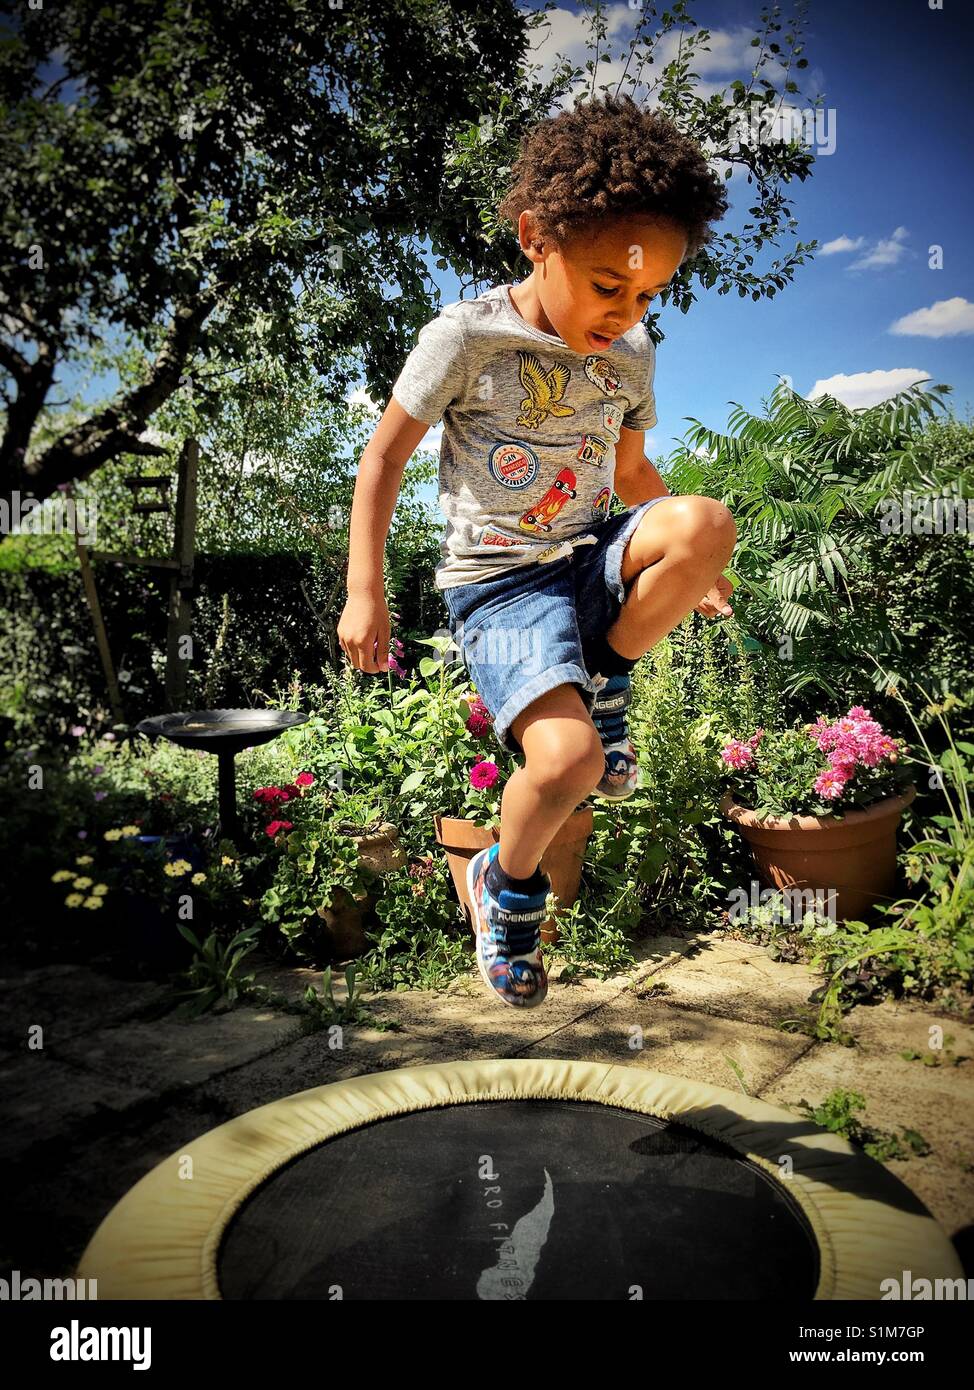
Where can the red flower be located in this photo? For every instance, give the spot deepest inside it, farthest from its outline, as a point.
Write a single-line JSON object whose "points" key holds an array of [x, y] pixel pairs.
{"points": [[276, 827], [304, 779], [268, 794]]}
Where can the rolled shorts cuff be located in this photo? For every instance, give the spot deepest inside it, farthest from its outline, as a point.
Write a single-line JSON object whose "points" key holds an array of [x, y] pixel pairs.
{"points": [[613, 553], [568, 673]]}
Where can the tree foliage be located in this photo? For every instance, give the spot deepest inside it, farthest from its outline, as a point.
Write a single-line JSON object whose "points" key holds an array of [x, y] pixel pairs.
{"points": [[204, 181]]}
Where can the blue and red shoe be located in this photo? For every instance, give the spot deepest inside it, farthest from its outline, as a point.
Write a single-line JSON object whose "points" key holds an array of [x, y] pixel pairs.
{"points": [[609, 717], [508, 931]]}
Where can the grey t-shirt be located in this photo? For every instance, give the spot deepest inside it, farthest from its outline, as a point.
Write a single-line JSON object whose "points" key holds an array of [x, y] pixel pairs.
{"points": [[529, 430]]}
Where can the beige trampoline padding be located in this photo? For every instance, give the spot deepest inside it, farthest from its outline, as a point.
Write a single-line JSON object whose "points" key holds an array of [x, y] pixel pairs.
{"points": [[161, 1241]]}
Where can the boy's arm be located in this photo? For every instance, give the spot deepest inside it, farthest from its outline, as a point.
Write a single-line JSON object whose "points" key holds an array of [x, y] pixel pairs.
{"points": [[383, 463], [636, 480]]}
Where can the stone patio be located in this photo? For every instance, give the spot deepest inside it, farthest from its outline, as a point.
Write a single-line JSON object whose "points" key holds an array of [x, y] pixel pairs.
{"points": [[120, 1083]]}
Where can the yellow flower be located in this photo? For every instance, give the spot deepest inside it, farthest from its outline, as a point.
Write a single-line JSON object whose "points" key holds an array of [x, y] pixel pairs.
{"points": [[227, 860], [129, 830], [83, 859], [113, 834], [198, 878], [99, 890], [94, 902], [82, 883], [177, 868], [74, 900], [62, 876]]}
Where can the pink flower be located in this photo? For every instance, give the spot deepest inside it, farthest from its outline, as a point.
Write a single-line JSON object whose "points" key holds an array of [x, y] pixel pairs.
{"points": [[76, 730], [737, 754], [830, 784], [483, 774], [304, 779], [276, 827], [395, 668]]}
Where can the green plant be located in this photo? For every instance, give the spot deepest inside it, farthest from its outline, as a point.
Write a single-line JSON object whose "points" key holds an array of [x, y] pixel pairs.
{"points": [[322, 1010], [422, 943], [314, 863], [942, 1057], [214, 976], [837, 1114], [808, 484]]}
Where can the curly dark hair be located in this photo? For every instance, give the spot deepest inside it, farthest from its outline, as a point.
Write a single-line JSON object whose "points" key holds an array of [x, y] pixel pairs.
{"points": [[609, 156]]}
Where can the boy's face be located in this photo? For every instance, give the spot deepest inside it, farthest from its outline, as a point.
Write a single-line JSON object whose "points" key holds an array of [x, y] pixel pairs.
{"points": [[596, 288]]}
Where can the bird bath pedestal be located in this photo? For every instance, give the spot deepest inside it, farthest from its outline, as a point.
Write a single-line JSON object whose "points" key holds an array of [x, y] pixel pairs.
{"points": [[223, 732]]}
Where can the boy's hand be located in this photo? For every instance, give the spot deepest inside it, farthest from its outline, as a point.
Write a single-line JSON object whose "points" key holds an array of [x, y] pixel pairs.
{"points": [[364, 631], [714, 602]]}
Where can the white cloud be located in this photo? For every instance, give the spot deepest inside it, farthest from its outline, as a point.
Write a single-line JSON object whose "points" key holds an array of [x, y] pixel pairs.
{"points": [[841, 243], [867, 388], [886, 252], [566, 34], [945, 319]]}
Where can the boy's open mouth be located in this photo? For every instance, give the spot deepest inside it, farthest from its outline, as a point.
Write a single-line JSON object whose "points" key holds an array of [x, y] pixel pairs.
{"points": [[599, 340]]}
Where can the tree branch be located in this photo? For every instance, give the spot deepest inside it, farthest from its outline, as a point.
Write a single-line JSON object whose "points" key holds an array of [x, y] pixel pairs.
{"points": [[112, 431]]}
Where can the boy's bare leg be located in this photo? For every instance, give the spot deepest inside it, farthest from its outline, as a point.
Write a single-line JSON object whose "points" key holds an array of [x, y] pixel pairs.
{"points": [[674, 557], [563, 762]]}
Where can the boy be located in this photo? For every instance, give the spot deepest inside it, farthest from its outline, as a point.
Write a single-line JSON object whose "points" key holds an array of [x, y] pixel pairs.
{"points": [[545, 389]]}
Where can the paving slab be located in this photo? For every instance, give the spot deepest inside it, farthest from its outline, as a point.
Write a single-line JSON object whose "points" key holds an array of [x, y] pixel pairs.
{"points": [[651, 1032], [935, 1101], [43, 1098], [68, 999], [737, 979], [168, 1054]]}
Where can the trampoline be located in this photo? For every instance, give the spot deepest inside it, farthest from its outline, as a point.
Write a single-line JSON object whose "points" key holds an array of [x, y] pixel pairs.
{"points": [[520, 1179]]}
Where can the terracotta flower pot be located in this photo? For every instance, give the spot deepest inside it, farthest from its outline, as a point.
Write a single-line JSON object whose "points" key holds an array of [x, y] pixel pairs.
{"points": [[854, 858], [562, 860], [344, 929]]}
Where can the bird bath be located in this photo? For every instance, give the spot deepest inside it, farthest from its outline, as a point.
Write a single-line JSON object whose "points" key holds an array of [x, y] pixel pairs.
{"points": [[223, 732]]}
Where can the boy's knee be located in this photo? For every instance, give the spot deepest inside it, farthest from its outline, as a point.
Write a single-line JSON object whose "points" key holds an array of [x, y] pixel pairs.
{"points": [[574, 760]]}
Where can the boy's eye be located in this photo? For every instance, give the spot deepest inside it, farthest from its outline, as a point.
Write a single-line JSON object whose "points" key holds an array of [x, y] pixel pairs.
{"points": [[602, 289]]}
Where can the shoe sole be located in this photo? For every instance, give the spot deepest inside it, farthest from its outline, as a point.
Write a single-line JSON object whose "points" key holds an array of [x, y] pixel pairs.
{"points": [[498, 994], [604, 796]]}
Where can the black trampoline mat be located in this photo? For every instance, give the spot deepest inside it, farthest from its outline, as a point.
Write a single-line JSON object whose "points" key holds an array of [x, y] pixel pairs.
{"points": [[527, 1199]]}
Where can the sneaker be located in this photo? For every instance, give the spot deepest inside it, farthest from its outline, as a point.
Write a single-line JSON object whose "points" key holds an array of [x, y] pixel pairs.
{"points": [[508, 931], [609, 717]]}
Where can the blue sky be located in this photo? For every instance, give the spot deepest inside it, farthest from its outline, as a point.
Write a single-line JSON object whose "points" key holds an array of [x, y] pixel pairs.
{"points": [[867, 315]]}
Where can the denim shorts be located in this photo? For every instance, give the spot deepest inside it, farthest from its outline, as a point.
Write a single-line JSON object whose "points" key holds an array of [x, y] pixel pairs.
{"points": [[527, 631]]}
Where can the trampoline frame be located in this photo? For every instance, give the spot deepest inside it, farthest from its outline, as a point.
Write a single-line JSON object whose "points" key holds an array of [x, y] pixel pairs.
{"points": [[162, 1239]]}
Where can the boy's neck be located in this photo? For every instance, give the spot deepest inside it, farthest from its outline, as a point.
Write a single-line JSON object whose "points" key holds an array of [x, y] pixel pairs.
{"points": [[525, 299]]}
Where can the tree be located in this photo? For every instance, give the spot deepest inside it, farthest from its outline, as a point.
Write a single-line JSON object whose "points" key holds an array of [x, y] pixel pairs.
{"points": [[221, 174], [233, 174]]}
